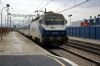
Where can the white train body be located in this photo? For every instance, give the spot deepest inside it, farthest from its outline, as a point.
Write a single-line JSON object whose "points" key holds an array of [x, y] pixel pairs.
{"points": [[50, 29]]}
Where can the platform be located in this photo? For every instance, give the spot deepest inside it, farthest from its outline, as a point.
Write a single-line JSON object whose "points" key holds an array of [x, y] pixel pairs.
{"points": [[92, 41], [17, 50], [14, 43]]}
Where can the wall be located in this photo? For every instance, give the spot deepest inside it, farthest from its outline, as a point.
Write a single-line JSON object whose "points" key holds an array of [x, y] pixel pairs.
{"points": [[91, 32]]}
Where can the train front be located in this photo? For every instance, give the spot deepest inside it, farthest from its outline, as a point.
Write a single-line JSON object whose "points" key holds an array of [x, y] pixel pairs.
{"points": [[54, 29]]}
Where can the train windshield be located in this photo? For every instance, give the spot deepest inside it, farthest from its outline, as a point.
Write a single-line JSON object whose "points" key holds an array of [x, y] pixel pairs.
{"points": [[54, 20]]}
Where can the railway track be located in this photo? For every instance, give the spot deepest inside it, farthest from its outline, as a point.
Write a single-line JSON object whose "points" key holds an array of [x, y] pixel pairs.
{"points": [[94, 48], [83, 54], [89, 55]]}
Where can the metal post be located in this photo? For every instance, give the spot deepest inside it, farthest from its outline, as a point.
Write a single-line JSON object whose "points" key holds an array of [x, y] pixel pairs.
{"points": [[70, 18], [7, 18], [7, 15], [70, 21], [10, 23], [13, 26], [1, 17], [1, 21], [1, 24], [5, 25]]}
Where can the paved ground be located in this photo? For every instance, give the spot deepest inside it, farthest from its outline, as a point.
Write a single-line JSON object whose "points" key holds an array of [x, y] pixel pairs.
{"points": [[27, 60], [14, 44], [16, 50], [86, 40]]}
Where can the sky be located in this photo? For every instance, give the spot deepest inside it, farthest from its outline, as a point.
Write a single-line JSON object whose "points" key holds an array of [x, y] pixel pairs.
{"points": [[91, 8]]}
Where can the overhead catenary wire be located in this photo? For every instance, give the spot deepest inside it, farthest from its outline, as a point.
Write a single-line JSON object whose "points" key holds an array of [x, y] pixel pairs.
{"points": [[64, 5], [6, 1], [1, 3], [38, 8], [41, 9], [73, 6], [46, 4], [40, 4]]}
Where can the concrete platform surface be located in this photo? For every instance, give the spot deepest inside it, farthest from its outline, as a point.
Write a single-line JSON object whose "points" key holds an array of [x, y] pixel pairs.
{"points": [[27, 60], [17, 50], [93, 41], [15, 43]]}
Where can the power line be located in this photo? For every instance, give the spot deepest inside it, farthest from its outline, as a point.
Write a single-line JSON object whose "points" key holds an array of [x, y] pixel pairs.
{"points": [[6, 1], [40, 4], [64, 5], [40, 10], [73, 6], [46, 4], [1, 3]]}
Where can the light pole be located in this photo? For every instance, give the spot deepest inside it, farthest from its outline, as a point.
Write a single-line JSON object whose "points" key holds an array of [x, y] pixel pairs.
{"points": [[9, 18], [98, 15], [10, 21], [7, 6], [12, 25], [70, 18]]}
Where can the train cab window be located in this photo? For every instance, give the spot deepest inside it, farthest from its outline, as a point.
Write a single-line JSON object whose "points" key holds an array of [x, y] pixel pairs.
{"points": [[54, 21]]}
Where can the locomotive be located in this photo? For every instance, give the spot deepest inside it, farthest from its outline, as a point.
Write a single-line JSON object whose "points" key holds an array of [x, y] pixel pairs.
{"points": [[47, 29]]}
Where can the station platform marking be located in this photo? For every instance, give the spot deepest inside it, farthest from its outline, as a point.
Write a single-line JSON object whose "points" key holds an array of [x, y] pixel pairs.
{"points": [[64, 60], [57, 61]]}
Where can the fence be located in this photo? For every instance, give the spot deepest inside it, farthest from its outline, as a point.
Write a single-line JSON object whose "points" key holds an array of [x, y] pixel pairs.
{"points": [[84, 32], [3, 31]]}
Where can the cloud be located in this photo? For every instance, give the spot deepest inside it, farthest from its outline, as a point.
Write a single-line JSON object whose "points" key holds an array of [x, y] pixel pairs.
{"points": [[28, 6]]}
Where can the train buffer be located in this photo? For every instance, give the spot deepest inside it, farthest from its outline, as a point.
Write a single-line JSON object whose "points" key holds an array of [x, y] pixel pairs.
{"points": [[17, 50]]}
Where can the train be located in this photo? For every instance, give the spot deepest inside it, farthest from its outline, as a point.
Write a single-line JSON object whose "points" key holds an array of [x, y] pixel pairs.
{"points": [[47, 29]]}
